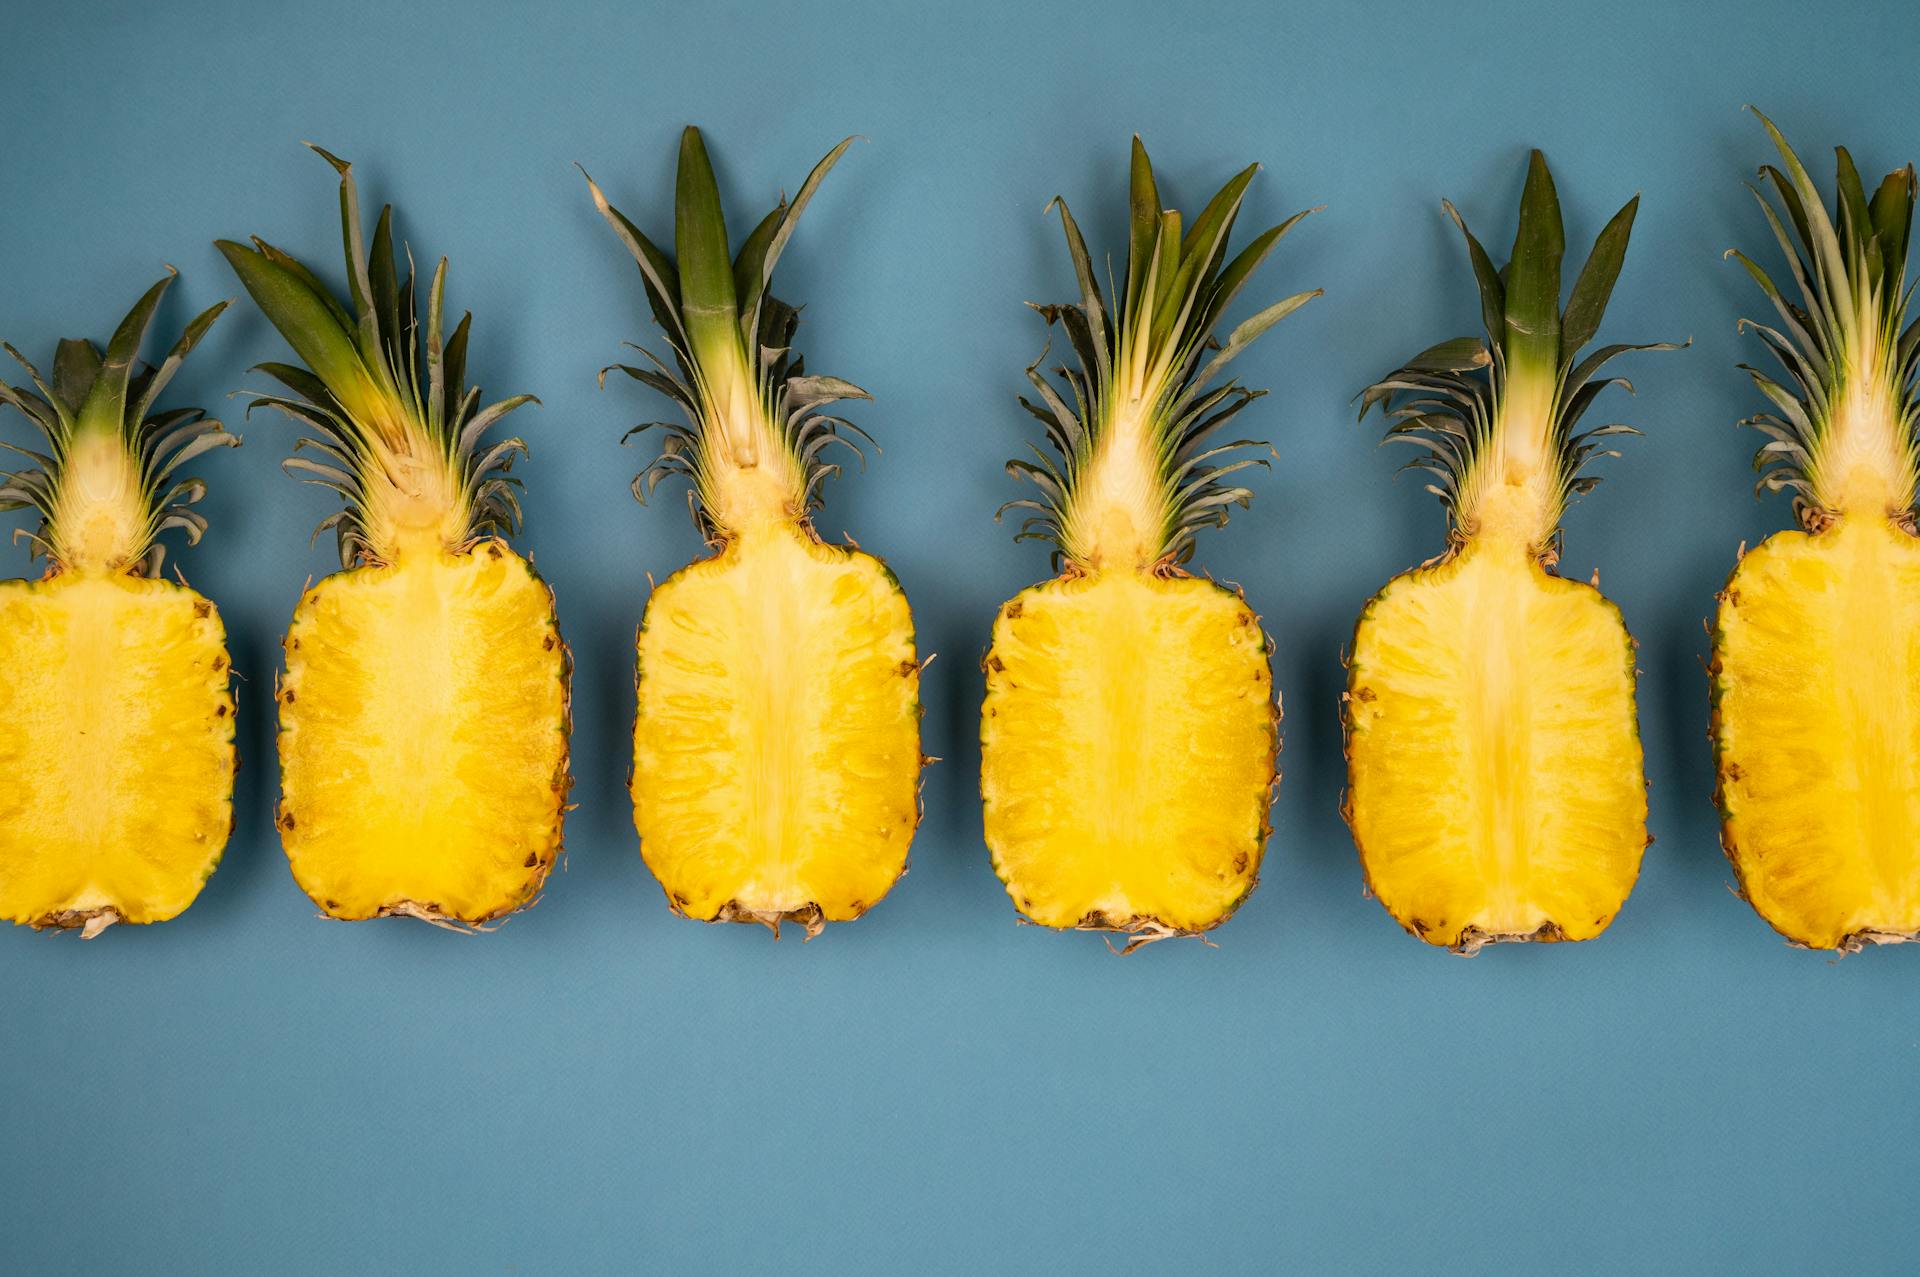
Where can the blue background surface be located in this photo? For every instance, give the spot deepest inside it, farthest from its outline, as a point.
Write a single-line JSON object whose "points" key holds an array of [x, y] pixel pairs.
{"points": [[601, 1087]]}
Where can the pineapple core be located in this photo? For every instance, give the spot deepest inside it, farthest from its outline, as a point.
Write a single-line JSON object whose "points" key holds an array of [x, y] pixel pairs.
{"points": [[1512, 495], [413, 499], [1864, 467], [749, 478]]}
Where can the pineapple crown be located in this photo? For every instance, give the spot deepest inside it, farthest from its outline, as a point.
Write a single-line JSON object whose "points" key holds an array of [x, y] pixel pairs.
{"points": [[1847, 411], [1134, 471], [754, 439], [397, 431], [110, 483], [1496, 417]]}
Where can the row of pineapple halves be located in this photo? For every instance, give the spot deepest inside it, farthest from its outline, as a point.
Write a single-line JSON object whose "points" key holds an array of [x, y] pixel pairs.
{"points": [[1130, 727]]}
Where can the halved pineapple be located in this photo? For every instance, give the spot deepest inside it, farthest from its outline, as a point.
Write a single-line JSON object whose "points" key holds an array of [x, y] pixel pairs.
{"points": [[118, 759], [1129, 729], [1816, 664], [424, 708], [1497, 790], [777, 735]]}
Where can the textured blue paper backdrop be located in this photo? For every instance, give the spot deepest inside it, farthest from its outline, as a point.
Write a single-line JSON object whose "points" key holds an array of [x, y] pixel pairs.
{"points": [[601, 1087]]}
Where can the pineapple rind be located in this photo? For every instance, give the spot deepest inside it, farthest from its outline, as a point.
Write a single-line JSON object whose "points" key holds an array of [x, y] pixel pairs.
{"points": [[375, 870], [1150, 628], [1815, 916], [734, 661], [83, 638], [1467, 930]]}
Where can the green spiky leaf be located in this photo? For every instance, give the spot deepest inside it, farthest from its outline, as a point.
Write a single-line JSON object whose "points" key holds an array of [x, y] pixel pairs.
{"points": [[1146, 367], [1450, 400], [729, 335], [99, 411], [1845, 341], [365, 387]]}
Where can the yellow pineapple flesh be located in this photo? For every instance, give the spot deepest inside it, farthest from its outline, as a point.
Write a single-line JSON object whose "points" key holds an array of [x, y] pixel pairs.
{"points": [[117, 765], [423, 737], [424, 708], [119, 753], [776, 743], [1129, 730], [1128, 743], [1817, 666], [1516, 686]]}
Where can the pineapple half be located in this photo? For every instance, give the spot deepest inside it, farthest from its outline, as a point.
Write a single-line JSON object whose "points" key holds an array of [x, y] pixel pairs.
{"points": [[1816, 666], [776, 744], [424, 707], [114, 683], [1496, 787], [1129, 731]]}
